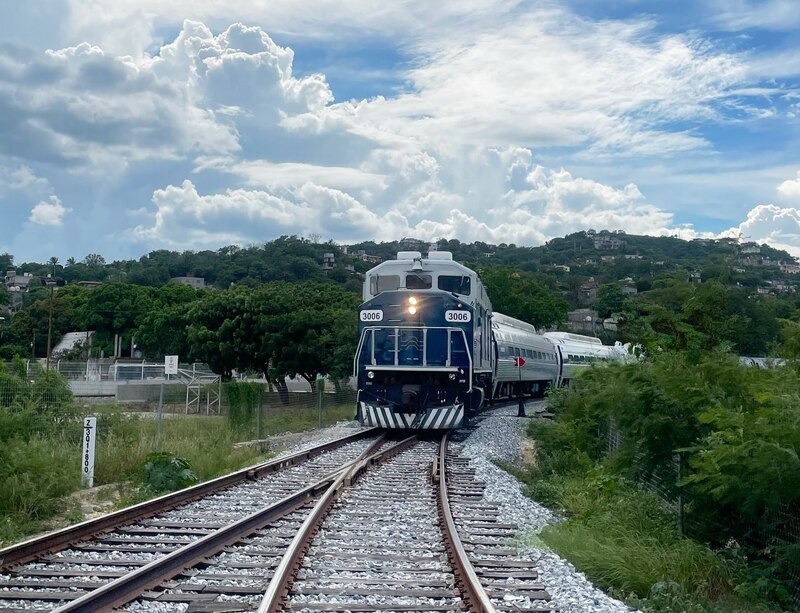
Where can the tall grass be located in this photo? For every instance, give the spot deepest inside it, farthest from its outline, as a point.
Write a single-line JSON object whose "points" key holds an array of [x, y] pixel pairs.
{"points": [[40, 457]]}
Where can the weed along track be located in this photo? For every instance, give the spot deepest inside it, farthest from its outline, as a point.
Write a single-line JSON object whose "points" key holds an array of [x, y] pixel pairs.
{"points": [[166, 534], [370, 524]]}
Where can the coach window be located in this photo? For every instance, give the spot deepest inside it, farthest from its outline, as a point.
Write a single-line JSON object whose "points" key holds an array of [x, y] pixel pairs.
{"points": [[457, 284], [414, 281], [383, 283]]}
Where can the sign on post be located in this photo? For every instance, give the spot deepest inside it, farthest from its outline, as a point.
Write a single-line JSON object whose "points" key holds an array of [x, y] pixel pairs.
{"points": [[170, 364], [87, 463]]}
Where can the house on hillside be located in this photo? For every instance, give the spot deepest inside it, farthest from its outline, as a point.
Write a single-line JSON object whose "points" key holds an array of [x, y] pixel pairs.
{"points": [[17, 286], [588, 290], [328, 261], [366, 257], [584, 320], [607, 241], [791, 269], [21, 282], [781, 287], [754, 259]]}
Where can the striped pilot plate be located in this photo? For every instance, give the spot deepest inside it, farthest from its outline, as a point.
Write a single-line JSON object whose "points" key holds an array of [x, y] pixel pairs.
{"points": [[436, 418]]}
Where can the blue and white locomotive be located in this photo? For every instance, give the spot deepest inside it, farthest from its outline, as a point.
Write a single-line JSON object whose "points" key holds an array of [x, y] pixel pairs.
{"points": [[431, 352], [425, 357]]}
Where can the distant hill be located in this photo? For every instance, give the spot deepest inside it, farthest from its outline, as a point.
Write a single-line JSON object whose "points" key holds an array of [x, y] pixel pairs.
{"points": [[566, 263]]}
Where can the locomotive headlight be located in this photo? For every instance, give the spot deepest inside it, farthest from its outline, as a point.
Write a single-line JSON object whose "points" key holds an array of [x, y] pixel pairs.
{"points": [[412, 309], [412, 301], [370, 374]]}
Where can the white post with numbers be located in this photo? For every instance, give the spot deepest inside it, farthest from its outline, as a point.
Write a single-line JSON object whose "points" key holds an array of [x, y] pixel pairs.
{"points": [[87, 459]]}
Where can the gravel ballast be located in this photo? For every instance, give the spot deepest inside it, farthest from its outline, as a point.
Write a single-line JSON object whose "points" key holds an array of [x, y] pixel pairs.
{"points": [[500, 436]]}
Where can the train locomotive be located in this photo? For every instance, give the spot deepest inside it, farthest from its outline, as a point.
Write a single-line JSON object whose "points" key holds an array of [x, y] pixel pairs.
{"points": [[425, 357], [431, 352]]}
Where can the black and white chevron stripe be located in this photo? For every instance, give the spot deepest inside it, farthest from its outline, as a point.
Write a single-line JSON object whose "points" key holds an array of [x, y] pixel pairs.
{"points": [[436, 418]]}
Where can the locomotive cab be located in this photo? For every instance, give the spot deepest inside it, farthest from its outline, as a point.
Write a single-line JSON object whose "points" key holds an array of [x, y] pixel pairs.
{"points": [[424, 343]]}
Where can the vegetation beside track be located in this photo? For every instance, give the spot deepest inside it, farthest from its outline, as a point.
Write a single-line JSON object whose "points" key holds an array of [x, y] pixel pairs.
{"points": [[40, 448], [679, 478]]}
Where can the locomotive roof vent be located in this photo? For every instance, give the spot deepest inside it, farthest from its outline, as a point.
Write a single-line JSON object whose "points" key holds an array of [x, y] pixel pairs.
{"points": [[408, 255], [440, 255]]}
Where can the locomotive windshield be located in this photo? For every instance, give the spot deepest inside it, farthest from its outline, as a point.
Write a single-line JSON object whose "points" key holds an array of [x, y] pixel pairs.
{"points": [[383, 283], [417, 346], [415, 281], [458, 284]]}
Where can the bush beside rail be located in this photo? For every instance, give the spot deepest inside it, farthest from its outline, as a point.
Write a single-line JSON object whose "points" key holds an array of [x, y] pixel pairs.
{"points": [[737, 433]]}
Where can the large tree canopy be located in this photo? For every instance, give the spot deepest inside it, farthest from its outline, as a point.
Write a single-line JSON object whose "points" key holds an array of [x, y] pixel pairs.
{"points": [[523, 295]]}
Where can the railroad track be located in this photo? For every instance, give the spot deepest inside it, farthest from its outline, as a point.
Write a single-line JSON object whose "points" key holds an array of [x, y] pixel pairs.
{"points": [[365, 525], [138, 547], [405, 539]]}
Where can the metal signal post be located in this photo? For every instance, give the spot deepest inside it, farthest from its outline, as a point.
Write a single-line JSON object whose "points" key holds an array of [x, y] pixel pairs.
{"points": [[519, 362]]}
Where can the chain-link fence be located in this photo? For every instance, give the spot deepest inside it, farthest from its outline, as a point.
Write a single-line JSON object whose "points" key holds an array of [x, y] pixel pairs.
{"points": [[143, 388], [774, 537]]}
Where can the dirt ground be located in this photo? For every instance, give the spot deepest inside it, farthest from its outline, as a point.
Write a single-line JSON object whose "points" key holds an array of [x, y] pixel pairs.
{"points": [[528, 453]]}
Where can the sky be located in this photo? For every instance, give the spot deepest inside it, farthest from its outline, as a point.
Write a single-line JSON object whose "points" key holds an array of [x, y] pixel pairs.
{"points": [[128, 126]]}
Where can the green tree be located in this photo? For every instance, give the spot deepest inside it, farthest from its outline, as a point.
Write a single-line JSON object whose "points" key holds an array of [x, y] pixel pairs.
{"points": [[524, 296], [94, 260], [610, 299], [216, 333]]}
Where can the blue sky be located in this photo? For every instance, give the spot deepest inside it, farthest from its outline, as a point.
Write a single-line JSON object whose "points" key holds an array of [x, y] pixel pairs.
{"points": [[133, 125]]}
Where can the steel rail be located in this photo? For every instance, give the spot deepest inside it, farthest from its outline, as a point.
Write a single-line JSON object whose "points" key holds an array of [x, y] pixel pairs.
{"points": [[279, 585], [60, 539], [128, 587], [466, 579]]}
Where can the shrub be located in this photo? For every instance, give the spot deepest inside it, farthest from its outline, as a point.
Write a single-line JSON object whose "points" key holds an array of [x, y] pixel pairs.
{"points": [[163, 472], [243, 402]]}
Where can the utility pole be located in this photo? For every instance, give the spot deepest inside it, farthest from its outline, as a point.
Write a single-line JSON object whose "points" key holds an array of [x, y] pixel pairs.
{"points": [[49, 328], [51, 281]]}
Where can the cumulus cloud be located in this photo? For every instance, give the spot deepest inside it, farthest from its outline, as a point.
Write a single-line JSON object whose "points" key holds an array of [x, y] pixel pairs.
{"points": [[79, 106], [771, 224], [503, 196], [790, 189], [184, 218], [49, 213]]}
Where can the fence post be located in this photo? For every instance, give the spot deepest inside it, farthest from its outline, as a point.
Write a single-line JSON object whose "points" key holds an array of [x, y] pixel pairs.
{"points": [[160, 413], [258, 416], [320, 389], [681, 501]]}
